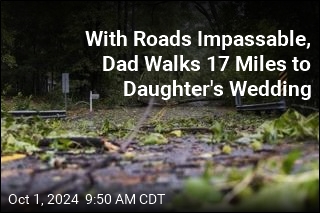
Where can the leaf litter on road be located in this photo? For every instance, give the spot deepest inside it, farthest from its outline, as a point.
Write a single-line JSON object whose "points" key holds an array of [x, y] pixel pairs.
{"points": [[250, 158]]}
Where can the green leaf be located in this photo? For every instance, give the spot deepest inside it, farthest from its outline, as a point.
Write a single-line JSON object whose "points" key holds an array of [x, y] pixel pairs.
{"points": [[154, 138], [289, 161], [290, 125], [277, 197], [217, 132], [199, 190], [61, 144], [105, 127]]}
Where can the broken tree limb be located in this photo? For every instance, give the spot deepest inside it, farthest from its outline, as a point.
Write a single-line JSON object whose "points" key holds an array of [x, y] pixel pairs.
{"points": [[186, 129], [189, 129], [78, 141], [137, 127]]}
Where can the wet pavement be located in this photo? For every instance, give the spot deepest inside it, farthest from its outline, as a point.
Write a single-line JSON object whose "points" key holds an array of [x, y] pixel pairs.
{"points": [[150, 169]]}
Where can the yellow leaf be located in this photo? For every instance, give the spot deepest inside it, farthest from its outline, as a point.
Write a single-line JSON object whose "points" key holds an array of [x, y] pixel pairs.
{"points": [[226, 149], [129, 155], [176, 133], [256, 145], [110, 147], [12, 157]]}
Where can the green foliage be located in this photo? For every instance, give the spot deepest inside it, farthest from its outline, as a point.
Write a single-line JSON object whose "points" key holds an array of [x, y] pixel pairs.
{"points": [[61, 144], [197, 194], [288, 162], [166, 125], [286, 195], [291, 125], [262, 188], [222, 127], [22, 135], [217, 132], [10, 144], [55, 100], [105, 127], [153, 138], [3, 105], [222, 131], [9, 60], [256, 145], [22, 102]]}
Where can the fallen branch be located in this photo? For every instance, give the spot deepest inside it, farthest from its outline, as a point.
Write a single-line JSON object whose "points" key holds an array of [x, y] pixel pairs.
{"points": [[82, 141], [186, 129], [137, 127]]}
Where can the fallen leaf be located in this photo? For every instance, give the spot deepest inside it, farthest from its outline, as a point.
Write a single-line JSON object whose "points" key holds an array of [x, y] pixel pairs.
{"points": [[226, 149], [129, 155], [256, 145], [154, 138], [176, 133], [110, 147], [12, 157]]}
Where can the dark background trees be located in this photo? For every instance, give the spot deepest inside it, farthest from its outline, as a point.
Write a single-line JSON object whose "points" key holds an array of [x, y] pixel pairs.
{"points": [[41, 40]]}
